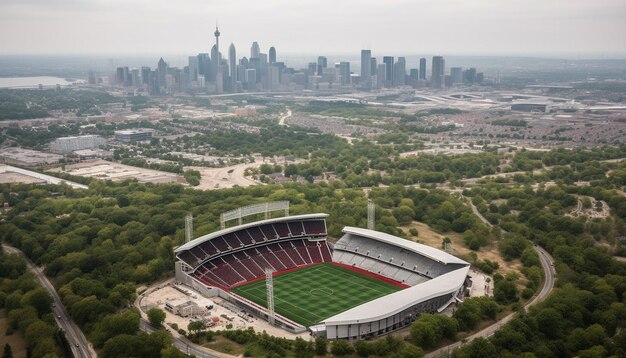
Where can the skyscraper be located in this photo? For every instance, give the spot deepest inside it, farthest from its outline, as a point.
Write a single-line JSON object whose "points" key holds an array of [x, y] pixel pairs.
{"points": [[414, 75], [322, 63], [388, 61], [272, 55], [437, 77], [145, 75], [232, 63], [366, 68], [204, 66], [215, 63], [251, 78], [344, 73], [456, 75], [161, 71], [422, 68], [374, 66], [255, 50], [399, 72], [380, 76], [193, 68]]}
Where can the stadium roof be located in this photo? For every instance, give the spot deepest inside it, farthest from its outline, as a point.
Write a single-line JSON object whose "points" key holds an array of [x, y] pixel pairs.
{"points": [[389, 305], [193, 243], [427, 251]]}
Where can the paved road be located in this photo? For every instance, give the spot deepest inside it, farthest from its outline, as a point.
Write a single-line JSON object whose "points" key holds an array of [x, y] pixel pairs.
{"points": [[181, 343], [78, 342], [281, 122], [547, 263]]}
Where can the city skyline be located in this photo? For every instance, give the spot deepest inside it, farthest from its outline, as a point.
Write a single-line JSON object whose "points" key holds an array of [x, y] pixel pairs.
{"points": [[554, 28]]}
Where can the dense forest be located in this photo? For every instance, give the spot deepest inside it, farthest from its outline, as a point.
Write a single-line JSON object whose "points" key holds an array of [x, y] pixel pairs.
{"points": [[28, 104]]}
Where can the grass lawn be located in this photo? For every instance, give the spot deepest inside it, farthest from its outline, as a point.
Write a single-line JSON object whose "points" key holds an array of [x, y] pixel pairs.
{"points": [[314, 293]]}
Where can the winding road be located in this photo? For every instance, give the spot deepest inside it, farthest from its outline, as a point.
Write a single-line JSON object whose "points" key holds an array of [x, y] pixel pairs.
{"points": [[281, 121], [78, 342], [547, 263]]}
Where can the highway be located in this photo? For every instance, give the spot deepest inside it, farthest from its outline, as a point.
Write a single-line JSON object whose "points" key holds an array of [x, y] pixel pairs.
{"points": [[547, 263], [77, 340]]}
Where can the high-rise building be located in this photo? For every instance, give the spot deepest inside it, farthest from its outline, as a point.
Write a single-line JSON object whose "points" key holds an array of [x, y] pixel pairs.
{"points": [[399, 72], [366, 68], [93, 78], [255, 50], [470, 76], [322, 63], [251, 79], [414, 75], [232, 63], [193, 68], [380, 75], [215, 63], [272, 55], [456, 75], [119, 76], [438, 72], [204, 66], [255, 63], [373, 66], [161, 72], [145, 75], [422, 68], [344, 73], [273, 78], [134, 78], [388, 62]]}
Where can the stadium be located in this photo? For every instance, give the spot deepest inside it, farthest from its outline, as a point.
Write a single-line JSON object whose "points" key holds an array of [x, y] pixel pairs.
{"points": [[285, 271]]}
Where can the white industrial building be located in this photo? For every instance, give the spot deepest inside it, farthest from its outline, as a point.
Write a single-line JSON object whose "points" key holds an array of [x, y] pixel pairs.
{"points": [[67, 145]]}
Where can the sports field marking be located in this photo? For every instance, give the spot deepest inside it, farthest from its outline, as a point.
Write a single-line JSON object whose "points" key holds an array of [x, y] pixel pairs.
{"points": [[321, 292]]}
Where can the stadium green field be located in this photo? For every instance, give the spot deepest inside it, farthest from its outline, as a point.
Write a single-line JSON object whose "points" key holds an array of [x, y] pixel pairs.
{"points": [[314, 293]]}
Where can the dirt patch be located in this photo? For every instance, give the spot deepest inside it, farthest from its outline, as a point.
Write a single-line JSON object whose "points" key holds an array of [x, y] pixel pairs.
{"points": [[15, 340], [225, 345], [428, 236]]}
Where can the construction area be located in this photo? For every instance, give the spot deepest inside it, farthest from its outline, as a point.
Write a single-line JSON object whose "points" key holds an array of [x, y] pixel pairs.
{"points": [[183, 305], [104, 170]]}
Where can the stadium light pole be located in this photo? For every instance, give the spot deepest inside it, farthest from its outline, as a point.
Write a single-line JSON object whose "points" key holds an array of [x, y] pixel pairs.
{"points": [[269, 284]]}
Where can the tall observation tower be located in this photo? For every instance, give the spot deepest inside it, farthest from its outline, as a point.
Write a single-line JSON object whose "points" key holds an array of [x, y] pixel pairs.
{"points": [[217, 38]]}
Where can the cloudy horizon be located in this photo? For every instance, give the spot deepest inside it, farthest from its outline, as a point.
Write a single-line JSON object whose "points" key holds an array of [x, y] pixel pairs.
{"points": [[548, 28]]}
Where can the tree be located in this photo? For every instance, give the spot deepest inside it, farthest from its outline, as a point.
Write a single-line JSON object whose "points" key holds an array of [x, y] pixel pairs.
{"points": [[410, 351], [172, 352], [505, 291], [156, 316], [195, 326], [341, 348], [8, 352], [302, 348], [321, 346]]}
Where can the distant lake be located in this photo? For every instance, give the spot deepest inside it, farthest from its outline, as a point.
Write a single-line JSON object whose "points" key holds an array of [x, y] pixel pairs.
{"points": [[32, 82]]}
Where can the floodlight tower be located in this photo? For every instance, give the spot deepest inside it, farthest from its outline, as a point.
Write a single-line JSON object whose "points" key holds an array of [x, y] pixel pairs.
{"points": [[269, 284], [188, 228]]}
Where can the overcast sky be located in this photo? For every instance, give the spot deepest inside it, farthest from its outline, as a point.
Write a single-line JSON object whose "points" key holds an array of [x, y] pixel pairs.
{"points": [[565, 28]]}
